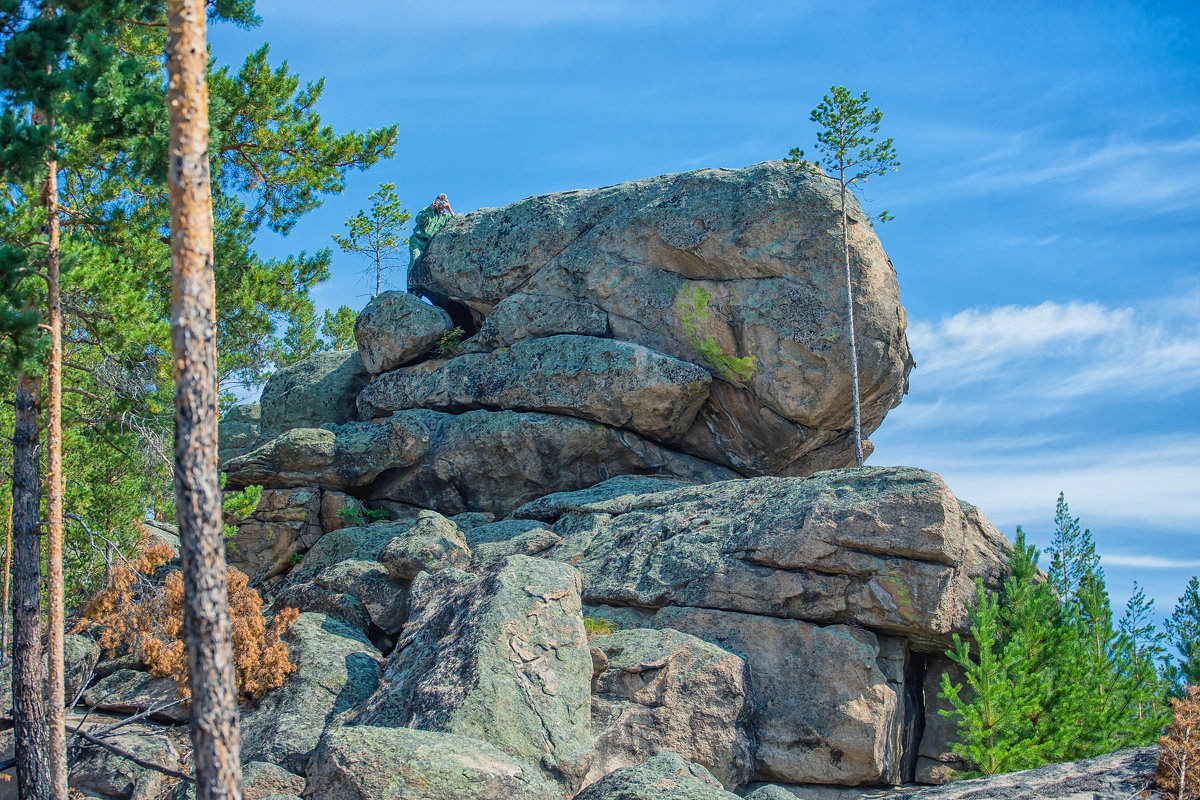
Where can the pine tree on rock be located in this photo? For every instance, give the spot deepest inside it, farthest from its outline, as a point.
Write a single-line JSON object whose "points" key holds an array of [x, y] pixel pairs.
{"points": [[377, 236], [850, 154]]}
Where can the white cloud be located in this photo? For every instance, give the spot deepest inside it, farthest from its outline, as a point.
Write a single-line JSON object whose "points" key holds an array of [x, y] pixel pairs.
{"points": [[1088, 348], [1147, 562]]}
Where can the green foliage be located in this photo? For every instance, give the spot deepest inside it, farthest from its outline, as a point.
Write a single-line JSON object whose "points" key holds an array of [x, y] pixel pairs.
{"points": [[1050, 676], [295, 558], [337, 327], [272, 161], [1183, 634], [450, 341], [239, 505], [846, 142], [376, 236], [598, 626], [358, 516]]}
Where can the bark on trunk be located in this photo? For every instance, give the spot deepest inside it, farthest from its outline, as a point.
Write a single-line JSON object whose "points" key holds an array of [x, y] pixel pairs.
{"points": [[207, 631], [29, 711], [7, 585], [55, 701]]}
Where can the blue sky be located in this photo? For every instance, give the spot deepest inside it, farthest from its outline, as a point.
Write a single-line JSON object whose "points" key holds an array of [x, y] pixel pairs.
{"points": [[1046, 237]]}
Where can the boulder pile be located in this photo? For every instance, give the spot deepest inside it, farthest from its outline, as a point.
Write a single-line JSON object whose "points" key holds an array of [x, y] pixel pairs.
{"points": [[580, 523]]}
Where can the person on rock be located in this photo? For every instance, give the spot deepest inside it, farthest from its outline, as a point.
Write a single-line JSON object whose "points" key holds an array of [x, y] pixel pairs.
{"points": [[429, 221]]}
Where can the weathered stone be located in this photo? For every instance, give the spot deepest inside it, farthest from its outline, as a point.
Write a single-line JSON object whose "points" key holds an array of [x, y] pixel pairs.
{"points": [[937, 761], [1116, 776], [130, 692], [615, 495], [824, 710], [489, 461], [666, 690], [771, 792], [472, 519], [162, 533], [337, 669], [530, 543], [339, 510], [339, 458], [286, 521], [666, 776], [501, 531], [260, 781], [317, 390], [521, 317], [80, 656], [496, 460], [361, 762], [396, 328], [431, 543], [97, 772], [621, 384], [238, 430], [890, 549], [735, 270], [501, 657], [348, 575]]}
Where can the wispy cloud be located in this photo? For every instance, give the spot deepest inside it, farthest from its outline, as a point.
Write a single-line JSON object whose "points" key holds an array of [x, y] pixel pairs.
{"points": [[1134, 169], [1089, 347], [1148, 562]]}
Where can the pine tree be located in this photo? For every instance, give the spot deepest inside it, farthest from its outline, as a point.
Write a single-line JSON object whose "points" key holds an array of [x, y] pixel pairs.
{"points": [[338, 328], [849, 153], [1183, 634], [207, 630], [377, 235]]}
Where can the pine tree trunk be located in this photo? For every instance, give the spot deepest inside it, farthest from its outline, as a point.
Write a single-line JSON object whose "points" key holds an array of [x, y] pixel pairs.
{"points": [[7, 578], [29, 712], [55, 701], [858, 448], [207, 630]]}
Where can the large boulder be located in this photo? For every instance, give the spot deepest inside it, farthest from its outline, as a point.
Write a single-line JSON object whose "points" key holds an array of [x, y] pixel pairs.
{"points": [[617, 383], [1121, 775], [97, 772], [285, 522], [890, 549], [337, 669], [666, 776], [396, 328], [238, 431], [519, 317], [501, 657], [823, 708], [490, 461], [319, 389], [362, 762], [739, 271], [128, 691], [659, 690]]}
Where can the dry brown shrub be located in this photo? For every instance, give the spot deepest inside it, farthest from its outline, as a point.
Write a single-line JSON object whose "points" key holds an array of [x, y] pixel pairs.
{"points": [[137, 615], [1179, 749]]}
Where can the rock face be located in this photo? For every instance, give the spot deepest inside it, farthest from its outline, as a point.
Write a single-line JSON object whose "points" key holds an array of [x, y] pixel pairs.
{"points": [[502, 658], [451, 463], [337, 668], [321, 388], [733, 270], [617, 383], [1115, 776], [666, 690], [369, 763], [666, 776], [396, 328], [286, 521], [887, 549]]}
